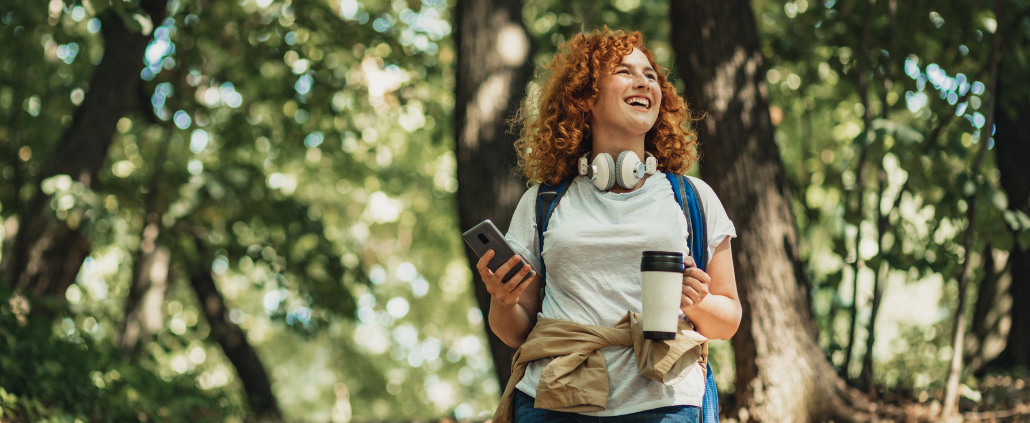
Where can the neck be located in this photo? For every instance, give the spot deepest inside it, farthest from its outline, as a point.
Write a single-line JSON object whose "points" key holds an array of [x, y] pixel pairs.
{"points": [[614, 144]]}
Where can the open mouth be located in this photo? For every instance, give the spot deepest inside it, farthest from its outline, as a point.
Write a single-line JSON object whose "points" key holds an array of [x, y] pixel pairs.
{"points": [[641, 102]]}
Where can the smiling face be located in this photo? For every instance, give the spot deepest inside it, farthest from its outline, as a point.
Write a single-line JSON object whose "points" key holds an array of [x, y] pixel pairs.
{"points": [[627, 101]]}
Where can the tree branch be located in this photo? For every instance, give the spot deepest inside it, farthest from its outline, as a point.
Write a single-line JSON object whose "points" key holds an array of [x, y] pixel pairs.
{"points": [[958, 334]]}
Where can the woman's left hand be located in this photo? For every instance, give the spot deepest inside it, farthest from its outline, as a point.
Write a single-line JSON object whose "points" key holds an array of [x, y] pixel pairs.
{"points": [[695, 284]]}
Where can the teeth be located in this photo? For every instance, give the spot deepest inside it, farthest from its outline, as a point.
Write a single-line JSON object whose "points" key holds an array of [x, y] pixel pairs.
{"points": [[638, 101]]}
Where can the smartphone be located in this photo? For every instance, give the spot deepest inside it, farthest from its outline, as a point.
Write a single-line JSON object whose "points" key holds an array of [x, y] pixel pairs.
{"points": [[484, 237]]}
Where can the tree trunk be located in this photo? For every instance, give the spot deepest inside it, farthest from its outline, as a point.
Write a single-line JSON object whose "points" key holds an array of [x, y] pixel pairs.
{"points": [[782, 375], [1012, 147], [233, 340], [48, 252], [949, 410], [143, 313], [986, 297], [882, 220], [494, 65], [879, 277], [857, 194], [988, 312], [867, 375]]}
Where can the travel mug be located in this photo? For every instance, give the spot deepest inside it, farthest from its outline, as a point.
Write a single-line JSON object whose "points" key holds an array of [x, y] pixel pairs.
{"points": [[661, 287]]}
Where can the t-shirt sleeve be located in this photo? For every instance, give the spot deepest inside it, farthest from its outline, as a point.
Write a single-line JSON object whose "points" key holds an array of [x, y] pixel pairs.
{"points": [[522, 234], [717, 221]]}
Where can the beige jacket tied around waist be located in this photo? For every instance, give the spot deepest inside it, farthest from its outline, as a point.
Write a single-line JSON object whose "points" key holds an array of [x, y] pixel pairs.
{"points": [[576, 380]]}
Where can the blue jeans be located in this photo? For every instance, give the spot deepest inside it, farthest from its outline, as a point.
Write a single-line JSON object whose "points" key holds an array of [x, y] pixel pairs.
{"points": [[526, 413]]}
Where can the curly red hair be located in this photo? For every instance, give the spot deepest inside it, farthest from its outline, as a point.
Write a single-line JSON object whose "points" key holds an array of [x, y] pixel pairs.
{"points": [[555, 124]]}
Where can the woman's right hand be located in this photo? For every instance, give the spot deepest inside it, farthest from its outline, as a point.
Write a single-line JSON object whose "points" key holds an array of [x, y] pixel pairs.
{"points": [[506, 293]]}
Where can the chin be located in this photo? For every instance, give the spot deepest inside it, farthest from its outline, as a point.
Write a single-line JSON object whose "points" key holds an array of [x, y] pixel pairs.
{"points": [[646, 126]]}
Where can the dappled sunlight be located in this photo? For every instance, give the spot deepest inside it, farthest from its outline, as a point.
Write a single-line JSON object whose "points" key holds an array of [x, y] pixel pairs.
{"points": [[307, 195], [301, 154]]}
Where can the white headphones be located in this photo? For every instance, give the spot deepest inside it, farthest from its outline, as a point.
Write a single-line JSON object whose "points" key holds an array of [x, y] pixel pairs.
{"points": [[626, 171]]}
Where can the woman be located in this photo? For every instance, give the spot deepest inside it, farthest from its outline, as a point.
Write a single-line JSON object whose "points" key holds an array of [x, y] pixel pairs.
{"points": [[605, 94]]}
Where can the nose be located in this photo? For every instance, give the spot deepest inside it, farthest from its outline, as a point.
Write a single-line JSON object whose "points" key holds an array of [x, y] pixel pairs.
{"points": [[640, 82]]}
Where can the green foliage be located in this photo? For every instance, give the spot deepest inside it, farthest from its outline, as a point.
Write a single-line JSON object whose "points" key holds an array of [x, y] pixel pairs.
{"points": [[926, 75], [307, 145], [46, 378]]}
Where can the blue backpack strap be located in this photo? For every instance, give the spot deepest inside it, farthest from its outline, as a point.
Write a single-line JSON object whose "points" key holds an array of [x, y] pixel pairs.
{"points": [[710, 402], [547, 198], [700, 227], [684, 189]]}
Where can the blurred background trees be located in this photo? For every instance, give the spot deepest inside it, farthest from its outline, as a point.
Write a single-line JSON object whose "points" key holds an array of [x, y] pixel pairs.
{"points": [[494, 64], [252, 209], [782, 373]]}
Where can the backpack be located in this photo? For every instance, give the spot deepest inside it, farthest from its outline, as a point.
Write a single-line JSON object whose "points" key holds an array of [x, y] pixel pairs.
{"points": [[548, 198]]}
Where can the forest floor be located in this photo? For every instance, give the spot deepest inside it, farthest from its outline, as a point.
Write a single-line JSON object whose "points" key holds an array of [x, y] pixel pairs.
{"points": [[1002, 399]]}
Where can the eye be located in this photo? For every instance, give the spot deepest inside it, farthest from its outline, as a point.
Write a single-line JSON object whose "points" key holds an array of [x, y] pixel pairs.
{"points": [[622, 71], [652, 77]]}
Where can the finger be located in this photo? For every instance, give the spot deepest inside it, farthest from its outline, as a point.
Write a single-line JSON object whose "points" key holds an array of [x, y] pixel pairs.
{"points": [[481, 265], [517, 276], [686, 301], [692, 292], [688, 262], [509, 293], [698, 274], [508, 265], [697, 286], [523, 283], [525, 270], [691, 283]]}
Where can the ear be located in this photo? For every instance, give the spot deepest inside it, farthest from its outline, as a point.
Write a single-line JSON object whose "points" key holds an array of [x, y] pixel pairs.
{"points": [[591, 102], [588, 114]]}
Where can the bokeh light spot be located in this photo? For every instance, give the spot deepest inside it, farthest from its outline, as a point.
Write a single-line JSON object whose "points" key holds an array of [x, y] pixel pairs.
{"points": [[182, 120], [397, 307]]}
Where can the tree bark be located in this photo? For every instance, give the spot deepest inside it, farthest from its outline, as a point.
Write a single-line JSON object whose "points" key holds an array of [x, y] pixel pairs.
{"points": [[858, 192], [986, 296], [878, 282], [494, 64], [143, 314], [949, 410], [1012, 147], [49, 252], [150, 274], [232, 339], [782, 374]]}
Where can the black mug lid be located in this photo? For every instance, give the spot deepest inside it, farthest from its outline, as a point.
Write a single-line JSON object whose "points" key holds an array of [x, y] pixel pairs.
{"points": [[657, 256]]}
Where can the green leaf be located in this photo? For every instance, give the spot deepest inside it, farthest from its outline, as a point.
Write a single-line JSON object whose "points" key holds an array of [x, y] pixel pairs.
{"points": [[1000, 199], [100, 5], [968, 188], [130, 23]]}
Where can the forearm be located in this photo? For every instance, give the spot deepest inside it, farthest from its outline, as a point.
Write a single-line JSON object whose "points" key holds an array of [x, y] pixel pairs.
{"points": [[716, 317], [511, 323]]}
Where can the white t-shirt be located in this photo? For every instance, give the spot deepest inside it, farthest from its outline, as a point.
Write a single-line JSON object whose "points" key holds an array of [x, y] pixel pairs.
{"points": [[592, 250]]}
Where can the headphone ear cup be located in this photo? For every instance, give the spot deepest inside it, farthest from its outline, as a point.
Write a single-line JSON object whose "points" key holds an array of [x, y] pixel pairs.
{"points": [[625, 166], [606, 172]]}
